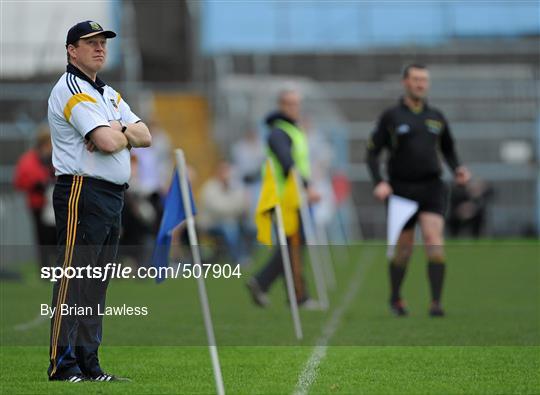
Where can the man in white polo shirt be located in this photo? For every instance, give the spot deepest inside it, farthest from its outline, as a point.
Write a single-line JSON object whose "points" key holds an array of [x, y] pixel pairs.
{"points": [[92, 130]]}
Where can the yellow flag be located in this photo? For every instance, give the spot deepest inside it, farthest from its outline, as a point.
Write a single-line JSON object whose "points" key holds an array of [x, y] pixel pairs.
{"points": [[268, 199], [290, 204]]}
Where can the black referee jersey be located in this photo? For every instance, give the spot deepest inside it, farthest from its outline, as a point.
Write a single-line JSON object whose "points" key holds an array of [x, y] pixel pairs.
{"points": [[414, 140]]}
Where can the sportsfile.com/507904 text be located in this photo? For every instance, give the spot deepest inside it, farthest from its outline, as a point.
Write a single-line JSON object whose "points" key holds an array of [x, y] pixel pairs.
{"points": [[118, 270]]}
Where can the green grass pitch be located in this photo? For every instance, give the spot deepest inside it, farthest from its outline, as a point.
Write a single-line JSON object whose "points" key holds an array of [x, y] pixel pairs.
{"points": [[489, 342]]}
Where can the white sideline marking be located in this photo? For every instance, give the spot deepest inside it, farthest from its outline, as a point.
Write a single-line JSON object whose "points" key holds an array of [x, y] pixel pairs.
{"points": [[40, 319], [309, 373]]}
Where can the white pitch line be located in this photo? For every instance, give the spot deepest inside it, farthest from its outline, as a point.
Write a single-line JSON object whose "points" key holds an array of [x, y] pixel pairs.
{"points": [[309, 373], [40, 319]]}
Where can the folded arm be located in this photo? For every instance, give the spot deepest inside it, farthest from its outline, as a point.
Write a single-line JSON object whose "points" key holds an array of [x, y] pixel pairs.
{"points": [[138, 135], [106, 139]]}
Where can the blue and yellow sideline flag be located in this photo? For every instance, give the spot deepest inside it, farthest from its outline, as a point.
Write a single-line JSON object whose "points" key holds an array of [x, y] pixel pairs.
{"points": [[173, 215], [268, 199], [290, 205]]}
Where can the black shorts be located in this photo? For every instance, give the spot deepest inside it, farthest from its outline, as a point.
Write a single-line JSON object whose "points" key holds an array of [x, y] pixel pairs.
{"points": [[431, 196]]}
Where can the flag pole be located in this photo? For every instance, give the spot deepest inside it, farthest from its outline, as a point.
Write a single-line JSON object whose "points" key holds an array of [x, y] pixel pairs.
{"points": [[311, 241], [203, 297], [282, 240]]}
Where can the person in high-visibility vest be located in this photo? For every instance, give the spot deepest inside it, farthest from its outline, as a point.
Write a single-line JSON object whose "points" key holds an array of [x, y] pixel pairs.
{"points": [[287, 147]]}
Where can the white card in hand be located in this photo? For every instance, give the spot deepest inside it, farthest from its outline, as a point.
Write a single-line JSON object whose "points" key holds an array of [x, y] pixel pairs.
{"points": [[400, 210]]}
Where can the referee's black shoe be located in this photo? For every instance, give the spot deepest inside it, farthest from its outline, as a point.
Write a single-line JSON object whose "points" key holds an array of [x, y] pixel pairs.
{"points": [[397, 307], [436, 310], [106, 377]]}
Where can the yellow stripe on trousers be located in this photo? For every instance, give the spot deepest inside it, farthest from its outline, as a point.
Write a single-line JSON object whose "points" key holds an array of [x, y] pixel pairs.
{"points": [[72, 220]]}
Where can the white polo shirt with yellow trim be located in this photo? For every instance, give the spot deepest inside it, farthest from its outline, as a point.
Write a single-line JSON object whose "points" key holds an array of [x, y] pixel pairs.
{"points": [[75, 109]]}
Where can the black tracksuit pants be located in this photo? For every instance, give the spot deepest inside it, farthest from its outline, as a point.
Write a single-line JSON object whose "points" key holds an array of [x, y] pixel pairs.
{"points": [[88, 213]]}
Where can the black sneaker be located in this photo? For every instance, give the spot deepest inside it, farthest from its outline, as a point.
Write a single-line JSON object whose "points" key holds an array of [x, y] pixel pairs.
{"points": [[76, 378], [257, 294], [436, 310], [398, 308], [108, 377]]}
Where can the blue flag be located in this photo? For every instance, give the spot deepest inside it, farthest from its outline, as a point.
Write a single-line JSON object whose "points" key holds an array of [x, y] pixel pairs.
{"points": [[173, 215]]}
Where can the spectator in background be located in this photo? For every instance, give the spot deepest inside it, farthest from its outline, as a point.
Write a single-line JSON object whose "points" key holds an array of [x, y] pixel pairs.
{"points": [[138, 220], [468, 205], [154, 169], [321, 156], [248, 155], [34, 175], [223, 209]]}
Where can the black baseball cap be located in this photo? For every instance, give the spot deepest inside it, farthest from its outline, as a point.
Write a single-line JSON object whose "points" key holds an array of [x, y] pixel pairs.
{"points": [[86, 29]]}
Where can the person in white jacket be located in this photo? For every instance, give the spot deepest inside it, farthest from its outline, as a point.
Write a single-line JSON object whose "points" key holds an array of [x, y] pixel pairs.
{"points": [[224, 206]]}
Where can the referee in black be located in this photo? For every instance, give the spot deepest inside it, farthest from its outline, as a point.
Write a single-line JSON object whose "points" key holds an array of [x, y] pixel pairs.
{"points": [[414, 132], [92, 129]]}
